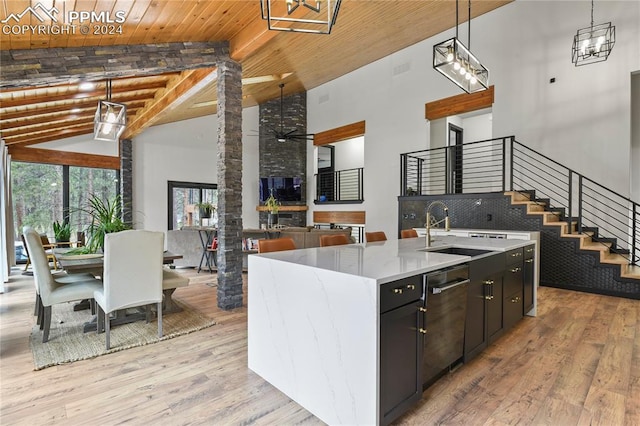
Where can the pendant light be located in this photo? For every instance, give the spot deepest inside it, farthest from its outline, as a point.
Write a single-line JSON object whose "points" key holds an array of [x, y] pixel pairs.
{"points": [[110, 119], [593, 44], [455, 61], [315, 17]]}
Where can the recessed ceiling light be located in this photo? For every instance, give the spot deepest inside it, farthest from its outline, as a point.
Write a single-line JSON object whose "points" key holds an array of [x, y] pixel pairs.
{"points": [[87, 85]]}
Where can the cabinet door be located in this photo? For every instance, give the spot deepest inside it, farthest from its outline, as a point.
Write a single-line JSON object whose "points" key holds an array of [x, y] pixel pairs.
{"points": [[401, 343], [495, 323], [527, 279], [475, 337]]}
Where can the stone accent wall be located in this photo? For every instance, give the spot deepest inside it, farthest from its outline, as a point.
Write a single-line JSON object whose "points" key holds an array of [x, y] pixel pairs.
{"points": [[287, 158], [229, 184], [36, 67], [126, 180]]}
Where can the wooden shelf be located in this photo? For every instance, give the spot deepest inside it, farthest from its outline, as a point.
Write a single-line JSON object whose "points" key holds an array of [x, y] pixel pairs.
{"points": [[284, 208]]}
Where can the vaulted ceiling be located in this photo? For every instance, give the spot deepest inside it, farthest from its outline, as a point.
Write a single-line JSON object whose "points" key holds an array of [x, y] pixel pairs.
{"points": [[366, 30]]}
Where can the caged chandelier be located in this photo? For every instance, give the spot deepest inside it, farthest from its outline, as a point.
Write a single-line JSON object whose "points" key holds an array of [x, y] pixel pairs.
{"points": [[455, 61], [315, 17], [593, 44], [110, 119]]}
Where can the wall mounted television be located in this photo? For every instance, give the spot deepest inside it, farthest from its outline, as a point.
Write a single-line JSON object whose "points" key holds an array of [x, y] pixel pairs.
{"points": [[283, 188]]}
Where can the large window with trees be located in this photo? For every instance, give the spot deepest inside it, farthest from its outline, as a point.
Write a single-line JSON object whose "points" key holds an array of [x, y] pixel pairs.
{"points": [[45, 193]]}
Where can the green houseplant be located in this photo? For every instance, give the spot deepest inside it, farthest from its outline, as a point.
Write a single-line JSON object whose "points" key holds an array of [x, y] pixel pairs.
{"points": [[206, 209], [273, 205], [106, 217], [62, 231]]}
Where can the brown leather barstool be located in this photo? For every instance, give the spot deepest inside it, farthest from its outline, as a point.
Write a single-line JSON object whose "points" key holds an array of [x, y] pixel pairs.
{"points": [[375, 236], [333, 240], [409, 233], [276, 244]]}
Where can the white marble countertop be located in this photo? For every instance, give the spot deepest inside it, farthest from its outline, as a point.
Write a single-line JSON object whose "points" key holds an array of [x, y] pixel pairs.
{"points": [[392, 259]]}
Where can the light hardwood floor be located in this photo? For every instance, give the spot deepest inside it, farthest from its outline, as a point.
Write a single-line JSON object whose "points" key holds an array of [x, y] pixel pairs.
{"points": [[577, 363]]}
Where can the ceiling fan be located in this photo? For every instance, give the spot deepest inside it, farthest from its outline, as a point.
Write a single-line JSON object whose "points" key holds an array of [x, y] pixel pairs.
{"points": [[280, 134]]}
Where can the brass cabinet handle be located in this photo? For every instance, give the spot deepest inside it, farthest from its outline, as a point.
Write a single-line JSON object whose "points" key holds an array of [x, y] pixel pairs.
{"points": [[529, 250], [516, 254], [514, 270], [411, 286], [422, 309], [515, 299], [528, 261], [422, 330], [397, 291]]}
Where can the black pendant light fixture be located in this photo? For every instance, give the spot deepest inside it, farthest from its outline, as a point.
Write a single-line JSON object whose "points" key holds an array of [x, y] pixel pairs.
{"points": [[283, 136], [593, 44], [315, 17], [110, 119], [455, 61]]}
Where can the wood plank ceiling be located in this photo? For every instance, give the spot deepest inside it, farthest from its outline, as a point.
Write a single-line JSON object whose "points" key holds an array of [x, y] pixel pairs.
{"points": [[365, 31]]}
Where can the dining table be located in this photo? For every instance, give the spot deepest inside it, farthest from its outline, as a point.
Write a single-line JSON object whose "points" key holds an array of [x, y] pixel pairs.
{"points": [[94, 264]]}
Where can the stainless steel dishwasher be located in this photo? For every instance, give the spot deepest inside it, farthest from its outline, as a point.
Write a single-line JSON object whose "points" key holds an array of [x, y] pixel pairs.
{"points": [[446, 308]]}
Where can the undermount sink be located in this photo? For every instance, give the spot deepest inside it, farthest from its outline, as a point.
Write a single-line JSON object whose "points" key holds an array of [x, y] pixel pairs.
{"points": [[457, 250]]}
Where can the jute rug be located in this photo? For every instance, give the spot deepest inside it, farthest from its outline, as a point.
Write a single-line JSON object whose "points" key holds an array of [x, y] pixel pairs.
{"points": [[68, 343]]}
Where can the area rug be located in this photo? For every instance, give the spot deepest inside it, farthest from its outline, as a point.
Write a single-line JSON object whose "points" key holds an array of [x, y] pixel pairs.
{"points": [[68, 343]]}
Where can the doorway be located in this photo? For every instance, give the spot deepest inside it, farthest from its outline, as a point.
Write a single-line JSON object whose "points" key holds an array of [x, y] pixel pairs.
{"points": [[326, 175], [455, 159]]}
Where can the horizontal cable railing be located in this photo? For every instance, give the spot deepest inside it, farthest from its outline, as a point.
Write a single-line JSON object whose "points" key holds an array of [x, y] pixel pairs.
{"points": [[343, 185], [504, 164]]}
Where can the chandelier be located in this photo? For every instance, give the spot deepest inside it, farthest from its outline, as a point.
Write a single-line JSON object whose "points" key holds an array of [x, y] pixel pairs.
{"points": [[110, 119], [593, 44], [316, 16], [455, 61]]}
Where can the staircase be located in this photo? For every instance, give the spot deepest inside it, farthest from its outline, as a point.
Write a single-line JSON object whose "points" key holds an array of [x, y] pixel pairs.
{"points": [[605, 249], [590, 234]]}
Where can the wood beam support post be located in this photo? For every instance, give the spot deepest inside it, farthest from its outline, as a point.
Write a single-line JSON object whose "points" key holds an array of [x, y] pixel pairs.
{"points": [[229, 184]]}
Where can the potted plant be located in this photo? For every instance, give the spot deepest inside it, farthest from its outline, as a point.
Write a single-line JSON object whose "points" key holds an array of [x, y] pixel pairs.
{"points": [[106, 217], [62, 231], [273, 205], [206, 209]]}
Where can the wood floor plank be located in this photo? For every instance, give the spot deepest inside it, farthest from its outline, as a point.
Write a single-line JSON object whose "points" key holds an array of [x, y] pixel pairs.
{"points": [[577, 362]]}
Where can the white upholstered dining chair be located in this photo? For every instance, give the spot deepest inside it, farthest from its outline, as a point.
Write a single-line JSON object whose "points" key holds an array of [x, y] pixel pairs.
{"points": [[132, 274], [49, 290]]}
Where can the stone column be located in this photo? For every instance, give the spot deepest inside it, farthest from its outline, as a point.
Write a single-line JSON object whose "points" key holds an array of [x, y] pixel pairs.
{"points": [[229, 184], [126, 180]]}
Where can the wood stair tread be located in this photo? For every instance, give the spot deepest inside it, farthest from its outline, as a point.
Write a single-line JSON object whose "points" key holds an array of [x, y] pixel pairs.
{"points": [[632, 271], [595, 245], [613, 259]]}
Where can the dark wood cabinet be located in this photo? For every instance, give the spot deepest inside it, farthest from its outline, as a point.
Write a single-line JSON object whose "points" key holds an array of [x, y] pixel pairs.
{"points": [[528, 271], [401, 348], [484, 304], [513, 294]]}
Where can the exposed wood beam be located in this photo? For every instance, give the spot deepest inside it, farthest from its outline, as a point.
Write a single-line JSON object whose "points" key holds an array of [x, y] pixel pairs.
{"points": [[71, 96], [178, 90], [38, 118], [83, 104], [251, 38], [459, 104], [339, 133], [65, 158], [36, 138]]}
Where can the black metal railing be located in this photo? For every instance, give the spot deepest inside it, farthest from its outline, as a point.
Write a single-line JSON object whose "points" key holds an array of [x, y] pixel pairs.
{"points": [[504, 164], [340, 186]]}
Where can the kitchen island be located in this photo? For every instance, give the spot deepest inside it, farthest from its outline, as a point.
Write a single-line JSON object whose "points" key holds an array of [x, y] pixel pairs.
{"points": [[314, 318]]}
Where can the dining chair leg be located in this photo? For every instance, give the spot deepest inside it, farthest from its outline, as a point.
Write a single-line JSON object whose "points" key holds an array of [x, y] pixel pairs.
{"points": [[159, 320], [27, 264], [39, 309], [107, 329], [46, 324]]}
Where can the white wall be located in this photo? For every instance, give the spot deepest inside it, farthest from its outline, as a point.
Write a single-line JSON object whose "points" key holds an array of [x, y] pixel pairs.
{"points": [[349, 154], [635, 138], [186, 151], [477, 128], [84, 144], [582, 120]]}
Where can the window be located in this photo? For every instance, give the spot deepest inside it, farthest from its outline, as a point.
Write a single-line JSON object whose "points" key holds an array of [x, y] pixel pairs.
{"points": [[183, 203], [44, 193]]}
